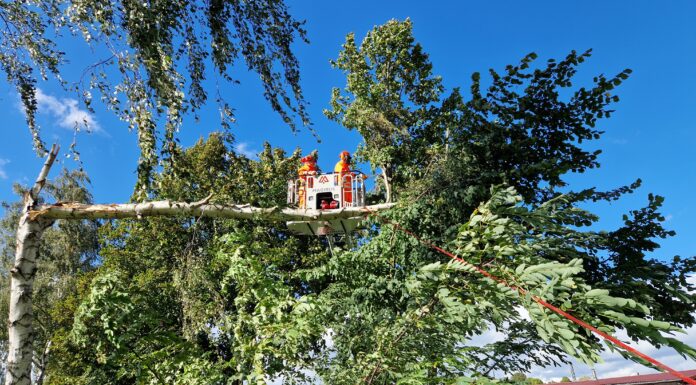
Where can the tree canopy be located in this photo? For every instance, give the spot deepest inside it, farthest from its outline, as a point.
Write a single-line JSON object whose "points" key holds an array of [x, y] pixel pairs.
{"points": [[389, 95], [223, 301], [154, 57]]}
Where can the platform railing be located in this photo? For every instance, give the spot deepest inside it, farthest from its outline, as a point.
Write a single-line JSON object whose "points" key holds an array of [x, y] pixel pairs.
{"points": [[297, 189], [292, 192], [356, 182], [353, 182]]}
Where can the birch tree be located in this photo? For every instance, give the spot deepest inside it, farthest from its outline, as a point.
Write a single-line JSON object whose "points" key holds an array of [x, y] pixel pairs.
{"points": [[68, 249], [21, 314], [151, 59]]}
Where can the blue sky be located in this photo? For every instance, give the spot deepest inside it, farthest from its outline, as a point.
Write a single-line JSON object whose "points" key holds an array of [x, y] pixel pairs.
{"points": [[651, 136]]}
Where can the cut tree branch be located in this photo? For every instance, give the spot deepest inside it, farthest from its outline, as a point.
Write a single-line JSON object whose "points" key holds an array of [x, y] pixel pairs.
{"points": [[197, 209]]}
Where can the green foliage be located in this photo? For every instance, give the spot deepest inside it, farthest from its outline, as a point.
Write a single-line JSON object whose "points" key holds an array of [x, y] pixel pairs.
{"points": [[526, 130], [202, 300], [408, 317], [181, 300], [518, 377], [128, 337], [506, 355], [389, 93], [631, 273], [522, 132], [155, 58], [24, 47]]}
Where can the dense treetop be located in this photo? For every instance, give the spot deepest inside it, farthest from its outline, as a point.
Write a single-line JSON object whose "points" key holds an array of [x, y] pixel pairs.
{"points": [[155, 57]]}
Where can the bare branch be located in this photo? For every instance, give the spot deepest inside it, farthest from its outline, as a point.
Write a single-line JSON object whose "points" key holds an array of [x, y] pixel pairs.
{"points": [[197, 209], [41, 179]]}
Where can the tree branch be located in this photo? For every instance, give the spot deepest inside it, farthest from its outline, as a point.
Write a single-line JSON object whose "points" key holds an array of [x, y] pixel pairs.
{"points": [[169, 208], [41, 178]]}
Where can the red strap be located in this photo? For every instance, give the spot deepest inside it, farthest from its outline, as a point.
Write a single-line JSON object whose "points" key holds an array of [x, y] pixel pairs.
{"points": [[543, 303]]}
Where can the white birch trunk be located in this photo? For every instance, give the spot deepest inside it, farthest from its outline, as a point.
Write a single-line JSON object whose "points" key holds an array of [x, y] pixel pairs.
{"points": [[387, 184], [21, 317], [194, 209]]}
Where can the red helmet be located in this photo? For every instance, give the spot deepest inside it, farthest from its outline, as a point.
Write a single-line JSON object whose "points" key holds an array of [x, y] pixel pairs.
{"points": [[309, 158]]}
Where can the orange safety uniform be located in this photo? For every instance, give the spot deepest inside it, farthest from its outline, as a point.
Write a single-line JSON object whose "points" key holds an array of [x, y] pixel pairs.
{"points": [[343, 168], [308, 168]]}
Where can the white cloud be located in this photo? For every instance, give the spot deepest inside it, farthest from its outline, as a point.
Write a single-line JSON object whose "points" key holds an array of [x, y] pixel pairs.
{"points": [[66, 111], [3, 173], [245, 149], [489, 336], [615, 365], [691, 279]]}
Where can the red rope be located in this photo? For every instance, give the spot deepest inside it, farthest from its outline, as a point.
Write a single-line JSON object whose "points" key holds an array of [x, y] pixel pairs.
{"points": [[543, 303]]}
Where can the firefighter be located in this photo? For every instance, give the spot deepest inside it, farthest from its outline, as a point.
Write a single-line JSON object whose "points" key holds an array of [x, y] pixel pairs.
{"points": [[343, 169], [344, 163], [308, 168]]}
